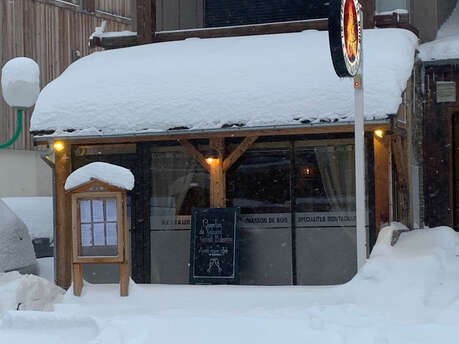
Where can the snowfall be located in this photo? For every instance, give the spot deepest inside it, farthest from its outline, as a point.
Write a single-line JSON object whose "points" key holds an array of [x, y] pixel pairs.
{"points": [[406, 293]]}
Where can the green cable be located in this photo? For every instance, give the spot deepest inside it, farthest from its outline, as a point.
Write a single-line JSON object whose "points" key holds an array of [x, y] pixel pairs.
{"points": [[17, 133]]}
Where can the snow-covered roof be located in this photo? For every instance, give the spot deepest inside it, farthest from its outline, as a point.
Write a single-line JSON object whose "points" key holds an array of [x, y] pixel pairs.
{"points": [[267, 80], [446, 45], [107, 173]]}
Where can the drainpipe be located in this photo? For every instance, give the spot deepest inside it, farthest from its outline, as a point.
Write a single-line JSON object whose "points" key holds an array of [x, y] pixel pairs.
{"points": [[45, 156]]}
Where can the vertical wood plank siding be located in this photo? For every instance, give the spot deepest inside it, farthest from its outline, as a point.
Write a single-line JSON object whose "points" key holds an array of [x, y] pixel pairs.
{"points": [[117, 7], [48, 32]]}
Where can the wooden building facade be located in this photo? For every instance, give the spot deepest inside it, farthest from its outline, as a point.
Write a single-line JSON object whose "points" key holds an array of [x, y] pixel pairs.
{"points": [[438, 87], [54, 34], [272, 174]]}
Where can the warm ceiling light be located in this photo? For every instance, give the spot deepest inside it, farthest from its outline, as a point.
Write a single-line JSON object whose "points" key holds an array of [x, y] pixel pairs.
{"points": [[58, 146], [210, 160], [379, 133]]}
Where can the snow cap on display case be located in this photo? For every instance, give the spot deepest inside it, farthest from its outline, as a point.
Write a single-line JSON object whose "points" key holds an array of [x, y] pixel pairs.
{"points": [[107, 173], [20, 82]]}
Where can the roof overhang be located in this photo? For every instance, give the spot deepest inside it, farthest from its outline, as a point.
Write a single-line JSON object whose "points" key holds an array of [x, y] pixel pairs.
{"points": [[171, 135]]}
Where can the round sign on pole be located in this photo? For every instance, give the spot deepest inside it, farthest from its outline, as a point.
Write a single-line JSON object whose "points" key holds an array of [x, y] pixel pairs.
{"points": [[345, 35]]}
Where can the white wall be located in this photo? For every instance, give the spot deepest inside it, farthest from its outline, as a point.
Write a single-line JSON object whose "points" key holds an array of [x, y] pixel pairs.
{"points": [[23, 173]]}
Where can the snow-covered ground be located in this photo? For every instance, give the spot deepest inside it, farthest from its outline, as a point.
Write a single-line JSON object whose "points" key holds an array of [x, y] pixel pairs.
{"points": [[408, 293]]}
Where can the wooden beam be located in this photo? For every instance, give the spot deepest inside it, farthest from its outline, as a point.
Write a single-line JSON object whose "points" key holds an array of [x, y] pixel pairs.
{"points": [[381, 172], [395, 20], [217, 175], [237, 153], [195, 153], [244, 30], [63, 239], [173, 136], [400, 162]]}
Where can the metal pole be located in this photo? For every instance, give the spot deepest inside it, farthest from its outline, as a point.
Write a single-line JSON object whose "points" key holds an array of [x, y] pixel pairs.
{"points": [[361, 232]]}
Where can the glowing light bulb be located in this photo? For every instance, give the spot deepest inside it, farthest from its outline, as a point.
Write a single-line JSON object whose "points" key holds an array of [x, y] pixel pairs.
{"points": [[58, 146], [379, 133]]}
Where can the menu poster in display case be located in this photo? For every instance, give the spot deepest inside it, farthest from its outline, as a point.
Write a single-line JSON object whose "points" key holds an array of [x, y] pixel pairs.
{"points": [[99, 230]]}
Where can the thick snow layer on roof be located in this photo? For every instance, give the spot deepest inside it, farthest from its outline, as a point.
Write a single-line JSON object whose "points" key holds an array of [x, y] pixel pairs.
{"points": [[446, 45], [35, 212], [282, 79], [108, 173], [16, 249]]}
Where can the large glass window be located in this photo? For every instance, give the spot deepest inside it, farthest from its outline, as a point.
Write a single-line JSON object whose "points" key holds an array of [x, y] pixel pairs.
{"points": [[297, 201], [178, 184], [260, 182]]}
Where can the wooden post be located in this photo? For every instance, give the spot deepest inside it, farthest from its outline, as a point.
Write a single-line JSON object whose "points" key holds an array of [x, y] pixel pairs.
{"points": [[217, 175], [63, 235], [133, 9], [124, 266], [144, 13], [217, 168], [381, 172], [369, 8], [77, 279], [401, 166], [124, 278]]}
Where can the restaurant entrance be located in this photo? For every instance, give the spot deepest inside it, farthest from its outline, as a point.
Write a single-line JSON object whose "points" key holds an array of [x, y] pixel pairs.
{"points": [[297, 201]]}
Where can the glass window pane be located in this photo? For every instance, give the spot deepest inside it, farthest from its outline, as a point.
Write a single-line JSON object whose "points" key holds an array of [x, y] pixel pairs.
{"points": [[86, 235], [111, 211], [112, 234], [99, 234], [260, 182], [179, 184], [98, 210], [85, 211]]}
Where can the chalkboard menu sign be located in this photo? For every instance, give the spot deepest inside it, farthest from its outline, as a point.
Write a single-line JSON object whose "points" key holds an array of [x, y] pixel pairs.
{"points": [[214, 257]]}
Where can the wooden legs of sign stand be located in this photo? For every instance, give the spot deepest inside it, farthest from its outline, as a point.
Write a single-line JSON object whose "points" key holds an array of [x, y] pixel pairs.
{"points": [[78, 279], [124, 279]]}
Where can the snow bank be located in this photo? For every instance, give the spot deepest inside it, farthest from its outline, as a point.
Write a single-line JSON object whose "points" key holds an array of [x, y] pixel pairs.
{"points": [[413, 279], [35, 212], [282, 79], [16, 249], [108, 173], [21, 82], [27, 292], [446, 45], [405, 293]]}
